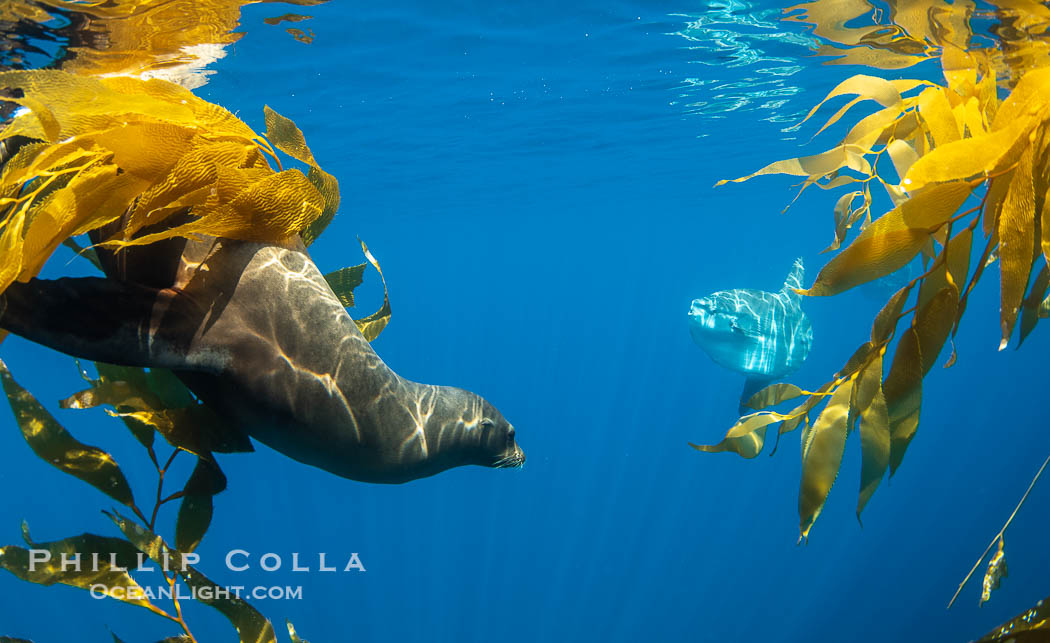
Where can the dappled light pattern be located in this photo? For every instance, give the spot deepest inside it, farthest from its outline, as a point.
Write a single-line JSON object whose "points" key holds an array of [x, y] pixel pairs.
{"points": [[961, 167], [320, 394], [738, 34]]}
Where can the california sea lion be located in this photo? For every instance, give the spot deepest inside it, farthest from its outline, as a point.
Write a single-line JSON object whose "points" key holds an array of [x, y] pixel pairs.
{"points": [[257, 334]]}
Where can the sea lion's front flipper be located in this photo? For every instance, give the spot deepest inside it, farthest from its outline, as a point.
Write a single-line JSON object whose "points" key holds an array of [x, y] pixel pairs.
{"points": [[100, 319]]}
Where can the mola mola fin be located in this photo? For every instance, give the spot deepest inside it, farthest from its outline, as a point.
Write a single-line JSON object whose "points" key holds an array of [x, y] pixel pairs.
{"points": [[752, 385], [755, 384]]}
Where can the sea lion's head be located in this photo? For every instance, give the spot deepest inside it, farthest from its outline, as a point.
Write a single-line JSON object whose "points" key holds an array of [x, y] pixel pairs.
{"points": [[496, 439], [464, 428]]}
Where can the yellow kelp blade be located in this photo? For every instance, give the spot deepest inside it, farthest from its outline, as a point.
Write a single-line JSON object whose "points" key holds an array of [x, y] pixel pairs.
{"points": [[374, 324], [49, 127], [1031, 307], [288, 138], [822, 448], [949, 268], [11, 243], [801, 412], [745, 438], [885, 323], [195, 510], [933, 324], [251, 626], [1031, 91], [158, 401], [995, 573], [270, 210], [92, 198], [903, 155], [870, 405], [57, 447], [195, 429], [844, 218], [292, 635], [937, 116], [868, 259], [818, 165], [885, 92], [903, 391], [891, 241], [198, 168], [868, 57], [772, 395], [1030, 626], [95, 570], [85, 253], [970, 158], [1044, 225], [151, 147], [960, 70], [1016, 243], [343, 281], [328, 188]]}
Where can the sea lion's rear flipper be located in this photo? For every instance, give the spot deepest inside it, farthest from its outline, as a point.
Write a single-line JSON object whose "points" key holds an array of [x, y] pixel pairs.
{"points": [[100, 319], [752, 385]]}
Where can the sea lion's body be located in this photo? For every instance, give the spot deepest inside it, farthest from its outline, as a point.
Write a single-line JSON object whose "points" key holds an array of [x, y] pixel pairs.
{"points": [[257, 334]]}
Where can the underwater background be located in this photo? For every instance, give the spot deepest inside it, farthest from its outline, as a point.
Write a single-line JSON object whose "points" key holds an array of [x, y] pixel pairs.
{"points": [[536, 180]]}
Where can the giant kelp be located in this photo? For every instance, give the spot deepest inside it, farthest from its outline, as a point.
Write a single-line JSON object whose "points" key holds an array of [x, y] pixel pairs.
{"points": [[144, 151], [149, 402], [115, 561], [169, 39], [116, 147], [962, 165], [896, 34]]}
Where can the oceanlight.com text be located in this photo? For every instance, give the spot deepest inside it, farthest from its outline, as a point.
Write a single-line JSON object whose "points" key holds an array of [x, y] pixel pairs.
{"points": [[205, 593]]}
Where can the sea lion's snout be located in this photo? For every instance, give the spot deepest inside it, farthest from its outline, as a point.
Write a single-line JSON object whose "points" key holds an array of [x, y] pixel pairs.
{"points": [[514, 460], [499, 443]]}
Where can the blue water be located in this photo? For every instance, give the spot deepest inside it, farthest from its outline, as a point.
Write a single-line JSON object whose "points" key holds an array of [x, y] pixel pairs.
{"points": [[536, 181]]}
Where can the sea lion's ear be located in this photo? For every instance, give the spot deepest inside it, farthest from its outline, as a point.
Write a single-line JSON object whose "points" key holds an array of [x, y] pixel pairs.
{"points": [[99, 319]]}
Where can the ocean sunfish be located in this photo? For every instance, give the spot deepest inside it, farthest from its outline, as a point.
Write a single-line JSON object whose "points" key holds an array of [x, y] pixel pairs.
{"points": [[763, 335]]}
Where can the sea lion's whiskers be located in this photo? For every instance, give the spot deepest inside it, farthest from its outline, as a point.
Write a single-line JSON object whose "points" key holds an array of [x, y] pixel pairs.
{"points": [[512, 461]]}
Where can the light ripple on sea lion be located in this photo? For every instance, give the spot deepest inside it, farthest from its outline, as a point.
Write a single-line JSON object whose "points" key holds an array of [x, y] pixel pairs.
{"points": [[257, 334]]}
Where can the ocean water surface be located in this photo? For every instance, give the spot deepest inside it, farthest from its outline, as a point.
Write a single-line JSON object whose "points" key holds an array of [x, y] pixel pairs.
{"points": [[536, 180]]}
